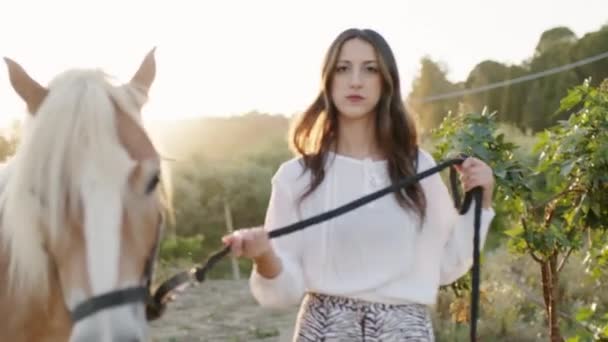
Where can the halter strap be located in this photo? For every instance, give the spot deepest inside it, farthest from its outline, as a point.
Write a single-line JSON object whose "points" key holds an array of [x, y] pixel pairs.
{"points": [[108, 300], [123, 296]]}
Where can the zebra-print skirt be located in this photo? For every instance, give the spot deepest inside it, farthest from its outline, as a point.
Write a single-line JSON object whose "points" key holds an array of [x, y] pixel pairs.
{"points": [[338, 319]]}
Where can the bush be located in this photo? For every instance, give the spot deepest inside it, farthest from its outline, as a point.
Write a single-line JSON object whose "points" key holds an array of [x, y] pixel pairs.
{"points": [[176, 247], [511, 305]]}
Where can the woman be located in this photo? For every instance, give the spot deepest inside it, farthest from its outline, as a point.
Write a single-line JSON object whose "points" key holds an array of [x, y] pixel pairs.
{"points": [[369, 274]]}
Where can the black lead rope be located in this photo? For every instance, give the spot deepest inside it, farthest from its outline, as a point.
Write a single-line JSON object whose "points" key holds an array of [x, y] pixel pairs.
{"points": [[155, 303], [181, 280], [477, 194]]}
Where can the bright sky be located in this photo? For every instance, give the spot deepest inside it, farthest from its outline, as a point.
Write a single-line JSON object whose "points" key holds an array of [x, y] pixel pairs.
{"points": [[230, 57]]}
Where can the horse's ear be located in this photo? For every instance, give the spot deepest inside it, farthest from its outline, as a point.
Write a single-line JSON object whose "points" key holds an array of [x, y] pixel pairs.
{"points": [[144, 76], [29, 90]]}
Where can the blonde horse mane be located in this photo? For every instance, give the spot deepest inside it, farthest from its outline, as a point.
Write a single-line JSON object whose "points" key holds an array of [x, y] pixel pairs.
{"points": [[73, 130]]}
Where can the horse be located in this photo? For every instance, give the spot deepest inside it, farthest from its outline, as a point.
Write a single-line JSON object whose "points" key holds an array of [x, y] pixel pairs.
{"points": [[82, 206]]}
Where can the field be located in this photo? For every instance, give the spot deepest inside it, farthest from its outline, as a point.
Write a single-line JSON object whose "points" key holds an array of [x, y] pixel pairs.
{"points": [[222, 310]]}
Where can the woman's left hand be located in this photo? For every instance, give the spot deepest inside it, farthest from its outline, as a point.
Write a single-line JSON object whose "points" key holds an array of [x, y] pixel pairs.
{"points": [[474, 173]]}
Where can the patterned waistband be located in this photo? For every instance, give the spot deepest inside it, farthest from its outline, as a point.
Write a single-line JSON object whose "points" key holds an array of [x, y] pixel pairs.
{"points": [[357, 304]]}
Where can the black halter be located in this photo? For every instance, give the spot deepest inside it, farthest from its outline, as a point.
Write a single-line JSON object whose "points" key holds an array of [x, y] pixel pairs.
{"points": [[155, 303], [124, 296]]}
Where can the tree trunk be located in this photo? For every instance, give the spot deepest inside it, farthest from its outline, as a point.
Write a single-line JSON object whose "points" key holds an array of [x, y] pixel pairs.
{"points": [[550, 279], [554, 326]]}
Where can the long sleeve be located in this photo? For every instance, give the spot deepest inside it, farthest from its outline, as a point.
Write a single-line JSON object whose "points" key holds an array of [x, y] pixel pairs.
{"points": [[287, 288], [457, 257], [457, 230]]}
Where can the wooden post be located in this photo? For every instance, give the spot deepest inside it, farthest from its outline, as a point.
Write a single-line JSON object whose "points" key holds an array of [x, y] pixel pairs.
{"points": [[236, 273]]}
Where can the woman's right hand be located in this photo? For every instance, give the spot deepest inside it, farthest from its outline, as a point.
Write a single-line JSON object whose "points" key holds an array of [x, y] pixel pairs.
{"points": [[252, 243]]}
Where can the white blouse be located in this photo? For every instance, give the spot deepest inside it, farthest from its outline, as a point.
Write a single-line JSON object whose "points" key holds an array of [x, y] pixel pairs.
{"points": [[378, 252]]}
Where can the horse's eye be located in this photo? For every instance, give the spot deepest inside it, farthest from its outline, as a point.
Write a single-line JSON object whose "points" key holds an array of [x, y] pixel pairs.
{"points": [[153, 183]]}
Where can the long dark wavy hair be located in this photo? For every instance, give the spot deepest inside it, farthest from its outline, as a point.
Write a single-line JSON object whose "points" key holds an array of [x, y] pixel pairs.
{"points": [[316, 130]]}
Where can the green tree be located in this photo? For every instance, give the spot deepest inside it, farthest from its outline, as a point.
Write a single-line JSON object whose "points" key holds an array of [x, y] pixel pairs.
{"points": [[529, 105], [542, 104], [554, 199], [206, 188], [506, 101], [591, 44], [431, 80], [554, 37]]}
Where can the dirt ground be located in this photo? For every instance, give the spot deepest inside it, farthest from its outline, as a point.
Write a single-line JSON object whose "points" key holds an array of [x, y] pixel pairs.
{"points": [[222, 310]]}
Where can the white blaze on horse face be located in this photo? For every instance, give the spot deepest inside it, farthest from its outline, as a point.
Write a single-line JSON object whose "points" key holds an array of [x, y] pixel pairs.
{"points": [[102, 191]]}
